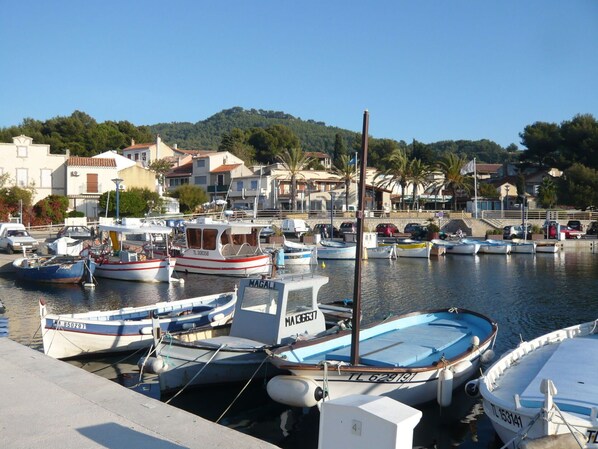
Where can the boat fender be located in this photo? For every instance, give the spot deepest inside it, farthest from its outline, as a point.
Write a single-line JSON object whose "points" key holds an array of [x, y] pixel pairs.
{"points": [[563, 441], [152, 365], [461, 367], [472, 388], [475, 341], [296, 391], [146, 330], [487, 356], [444, 394], [217, 317], [187, 326]]}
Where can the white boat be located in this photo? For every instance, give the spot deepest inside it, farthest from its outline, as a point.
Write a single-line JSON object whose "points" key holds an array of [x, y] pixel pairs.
{"points": [[332, 250], [382, 252], [547, 246], [491, 246], [299, 254], [117, 259], [412, 358], [268, 313], [546, 389], [223, 248], [463, 246], [519, 246], [130, 328], [414, 249]]}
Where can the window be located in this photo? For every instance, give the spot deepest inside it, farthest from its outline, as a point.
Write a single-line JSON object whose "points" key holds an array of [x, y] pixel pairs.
{"points": [[143, 156], [129, 155], [136, 156], [200, 163], [220, 180], [209, 239], [239, 186], [202, 180], [254, 184], [194, 238], [92, 183], [22, 177], [21, 151], [46, 178], [260, 300]]}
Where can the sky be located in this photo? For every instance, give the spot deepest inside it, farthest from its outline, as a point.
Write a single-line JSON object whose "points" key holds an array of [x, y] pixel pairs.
{"points": [[425, 70]]}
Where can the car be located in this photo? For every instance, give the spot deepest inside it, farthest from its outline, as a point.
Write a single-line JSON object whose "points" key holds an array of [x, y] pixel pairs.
{"points": [[75, 232], [386, 229], [410, 227], [417, 230], [268, 231], [592, 228], [294, 227], [554, 228], [347, 227], [324, 230], [575, 224], [517, 232]]}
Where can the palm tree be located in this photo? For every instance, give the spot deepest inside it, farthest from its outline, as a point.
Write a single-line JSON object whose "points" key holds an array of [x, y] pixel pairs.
{"points": [[346, 170], [450, 166], [418, 175], [294, 160], [547, 192], [395, 173]]}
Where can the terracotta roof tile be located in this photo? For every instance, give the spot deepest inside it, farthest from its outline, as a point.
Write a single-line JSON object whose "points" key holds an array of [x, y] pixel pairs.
{"points": [[225, 168], [79, 161], [182, 170], [138, 146]]}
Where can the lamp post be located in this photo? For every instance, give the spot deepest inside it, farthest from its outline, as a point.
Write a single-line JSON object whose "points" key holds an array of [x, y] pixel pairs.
{"points": [[21, 211], [507, 202], [117, 181]]}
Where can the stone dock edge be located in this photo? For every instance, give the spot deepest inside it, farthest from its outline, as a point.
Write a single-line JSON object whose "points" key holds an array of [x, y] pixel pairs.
{"points": [[49, 403]]}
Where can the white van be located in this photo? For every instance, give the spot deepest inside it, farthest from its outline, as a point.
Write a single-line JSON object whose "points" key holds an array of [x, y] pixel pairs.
{"points": [[14, 237], [294, 227]]}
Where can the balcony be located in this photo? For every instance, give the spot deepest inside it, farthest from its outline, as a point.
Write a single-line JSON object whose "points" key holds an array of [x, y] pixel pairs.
{"points": [[218, 188]]}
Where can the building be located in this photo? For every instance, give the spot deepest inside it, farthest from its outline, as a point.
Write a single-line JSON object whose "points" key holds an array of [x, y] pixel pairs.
{"points": [[146, 153], [33, 166]]}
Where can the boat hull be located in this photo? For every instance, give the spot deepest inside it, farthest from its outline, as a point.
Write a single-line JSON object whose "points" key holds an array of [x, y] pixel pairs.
{"points": [[298, 257], [66, 272], [513, 397], [130, 329], [233, 266], [150, 270], [495, 248], [381, 252], [337, 251], [415, 250]]}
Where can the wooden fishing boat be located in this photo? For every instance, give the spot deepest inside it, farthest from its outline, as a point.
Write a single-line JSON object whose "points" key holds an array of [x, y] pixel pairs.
{"points": [[467, 247], [333, 250], [414, 249], [495, 247], [54, 269]]}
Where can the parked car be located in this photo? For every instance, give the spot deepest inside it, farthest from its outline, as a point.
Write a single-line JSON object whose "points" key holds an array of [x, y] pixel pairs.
{"points": [[592, 228], [347, 227], [554, 228], [575, 224], [410, 227], [14, 237], [517, 232], [294, 227], [386, 229], [75, 232], [324, 230], [417, 230]]}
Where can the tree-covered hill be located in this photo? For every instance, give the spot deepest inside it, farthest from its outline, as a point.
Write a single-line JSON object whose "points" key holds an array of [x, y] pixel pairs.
{"points": [[314, 136]]}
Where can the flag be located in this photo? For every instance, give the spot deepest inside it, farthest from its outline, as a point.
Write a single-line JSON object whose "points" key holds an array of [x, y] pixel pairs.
{"points": [[353, 161], [468, 168]]}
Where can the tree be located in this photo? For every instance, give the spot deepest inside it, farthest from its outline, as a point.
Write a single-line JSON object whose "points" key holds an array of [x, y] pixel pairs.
{"points": [[294, 160], [235, 142], [396, 173], [543, 142], [486, 190], [160, 167], [347, 172], [270, 142], [133, 202], [417, 175], [51, 209], [450, 166], [579, 187], [547, 193], [190, 197], [340, 148]]}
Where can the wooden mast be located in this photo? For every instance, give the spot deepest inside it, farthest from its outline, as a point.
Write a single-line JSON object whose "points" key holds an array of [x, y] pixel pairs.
{"points": [[359, 250]]}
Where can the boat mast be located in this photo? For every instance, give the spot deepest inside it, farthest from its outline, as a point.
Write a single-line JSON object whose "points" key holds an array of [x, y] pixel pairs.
{"points": [[359, 250]]}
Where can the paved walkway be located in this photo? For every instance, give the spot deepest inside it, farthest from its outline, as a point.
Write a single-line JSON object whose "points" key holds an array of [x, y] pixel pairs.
{"points": [[46, 403]]}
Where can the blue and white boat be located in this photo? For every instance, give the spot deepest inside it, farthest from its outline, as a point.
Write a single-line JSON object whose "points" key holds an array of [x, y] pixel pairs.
{"points": [[299, 254], [491, 246], [333, 250], [462, 246], [545, 390], [54, 269], [519, 246], [130, 328]]}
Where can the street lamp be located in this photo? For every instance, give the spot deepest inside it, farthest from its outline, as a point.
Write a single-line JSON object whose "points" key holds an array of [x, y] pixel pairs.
{"points": [[507, 202], [117, 181]]}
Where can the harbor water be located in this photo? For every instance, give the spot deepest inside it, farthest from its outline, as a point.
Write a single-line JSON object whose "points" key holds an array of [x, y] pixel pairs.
{"points": [[527, 295]]}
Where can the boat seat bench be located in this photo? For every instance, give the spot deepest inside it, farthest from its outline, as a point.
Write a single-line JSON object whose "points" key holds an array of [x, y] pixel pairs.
{"points": [[405, 347]]}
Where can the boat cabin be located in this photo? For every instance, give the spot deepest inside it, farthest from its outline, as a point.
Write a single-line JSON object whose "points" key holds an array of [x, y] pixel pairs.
{"points": [[279, 310], [227, 239]]}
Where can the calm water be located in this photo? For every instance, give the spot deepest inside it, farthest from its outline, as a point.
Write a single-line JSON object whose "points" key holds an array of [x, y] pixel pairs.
{"points": [[527, 295]]}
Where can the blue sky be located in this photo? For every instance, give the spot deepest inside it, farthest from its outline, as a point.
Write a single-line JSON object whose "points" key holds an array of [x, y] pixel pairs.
{"points": [[426, 70]]}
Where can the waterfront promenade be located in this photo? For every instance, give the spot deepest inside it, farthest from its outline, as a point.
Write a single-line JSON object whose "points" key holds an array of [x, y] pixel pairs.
{"points": [[49, 403]]}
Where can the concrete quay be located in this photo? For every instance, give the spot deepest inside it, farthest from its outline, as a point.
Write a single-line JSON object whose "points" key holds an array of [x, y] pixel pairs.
{"points": [[49, 403]]}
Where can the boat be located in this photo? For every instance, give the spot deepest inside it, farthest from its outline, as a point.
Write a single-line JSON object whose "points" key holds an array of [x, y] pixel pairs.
{"points": [[491, 246], [224, 248], [414, 249], [545, 390], [546, 246], [382, 252], [520, 246], [54, 269], [299, 254], [333, 250], [66, 246], [130, 328], [412, 358], [118, 258], [269, 312], [462, 246]]}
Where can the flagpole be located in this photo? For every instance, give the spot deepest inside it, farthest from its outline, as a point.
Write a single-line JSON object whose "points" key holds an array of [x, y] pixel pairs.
{"points": [[356, 185], [475, 188]]}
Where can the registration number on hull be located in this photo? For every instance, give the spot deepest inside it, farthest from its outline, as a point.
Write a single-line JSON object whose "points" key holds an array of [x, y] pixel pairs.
{"points": [[514, 419], [381, 377]]}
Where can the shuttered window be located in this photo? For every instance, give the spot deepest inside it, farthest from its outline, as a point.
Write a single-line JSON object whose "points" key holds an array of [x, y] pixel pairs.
{"points": [[92, 183]]}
